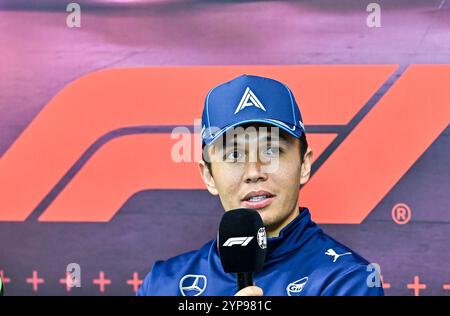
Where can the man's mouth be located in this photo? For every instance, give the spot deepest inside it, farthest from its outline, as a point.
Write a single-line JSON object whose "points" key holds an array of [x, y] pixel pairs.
{"points": [[258, 199]]}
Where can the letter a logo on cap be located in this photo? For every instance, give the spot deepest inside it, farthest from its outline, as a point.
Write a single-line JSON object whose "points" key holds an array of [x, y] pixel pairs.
{"points": [[249, 99]]}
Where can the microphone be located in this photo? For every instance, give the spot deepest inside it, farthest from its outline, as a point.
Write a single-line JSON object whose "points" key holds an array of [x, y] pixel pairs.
{"points": [[242, 244]]}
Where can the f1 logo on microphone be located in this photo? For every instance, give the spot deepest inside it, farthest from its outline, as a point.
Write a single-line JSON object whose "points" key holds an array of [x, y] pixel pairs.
{"points": [[243, 241]]}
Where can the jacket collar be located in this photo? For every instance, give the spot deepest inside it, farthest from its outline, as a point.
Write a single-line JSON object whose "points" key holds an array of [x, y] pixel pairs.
{"points": [[292, 237]]}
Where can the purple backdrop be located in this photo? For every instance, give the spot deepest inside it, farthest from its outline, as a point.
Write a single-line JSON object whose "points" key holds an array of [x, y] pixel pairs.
{"points": [[40, 55]]}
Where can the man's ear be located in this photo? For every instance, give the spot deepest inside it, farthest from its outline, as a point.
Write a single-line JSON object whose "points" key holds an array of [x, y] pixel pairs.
{"points": [[207, 178], [305, 171]]}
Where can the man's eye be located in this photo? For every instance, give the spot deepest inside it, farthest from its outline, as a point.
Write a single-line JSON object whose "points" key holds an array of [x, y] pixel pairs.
{"points": [[272, 152], [234, 156]]}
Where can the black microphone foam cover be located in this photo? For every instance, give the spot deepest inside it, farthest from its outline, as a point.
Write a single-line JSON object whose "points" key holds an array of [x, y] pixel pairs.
{"points": [[241, 241]]}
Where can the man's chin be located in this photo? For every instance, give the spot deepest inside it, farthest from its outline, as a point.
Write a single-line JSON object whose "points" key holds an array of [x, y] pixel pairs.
{"points": [[265, 214]]}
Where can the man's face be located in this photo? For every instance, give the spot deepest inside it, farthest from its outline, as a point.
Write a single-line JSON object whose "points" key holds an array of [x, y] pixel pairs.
{"points": [[257, 170]]}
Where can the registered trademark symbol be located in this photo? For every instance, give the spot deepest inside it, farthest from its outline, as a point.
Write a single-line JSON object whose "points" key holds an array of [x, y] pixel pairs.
{"points": [[401, 213]]}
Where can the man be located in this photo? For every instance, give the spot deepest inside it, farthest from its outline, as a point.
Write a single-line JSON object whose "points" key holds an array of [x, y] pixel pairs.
{"points": [[262, 170]]}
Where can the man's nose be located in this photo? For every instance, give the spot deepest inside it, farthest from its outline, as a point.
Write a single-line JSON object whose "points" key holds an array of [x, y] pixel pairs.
{"points": [[254, 172]]}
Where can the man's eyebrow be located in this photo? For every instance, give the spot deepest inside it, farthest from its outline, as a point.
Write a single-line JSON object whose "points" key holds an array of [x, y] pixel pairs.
{"points": [[281, 138]]}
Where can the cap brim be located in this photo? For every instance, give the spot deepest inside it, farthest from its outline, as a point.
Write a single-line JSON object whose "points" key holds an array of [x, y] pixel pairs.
{"points": [[295, 131]]}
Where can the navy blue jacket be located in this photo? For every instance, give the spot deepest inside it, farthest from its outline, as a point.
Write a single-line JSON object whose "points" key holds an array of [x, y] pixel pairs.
{"points": [[302, 260]]}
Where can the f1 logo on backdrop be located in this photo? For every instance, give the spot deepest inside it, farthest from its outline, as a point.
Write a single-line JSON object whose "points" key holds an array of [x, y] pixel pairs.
{"points": [[107, 136]]}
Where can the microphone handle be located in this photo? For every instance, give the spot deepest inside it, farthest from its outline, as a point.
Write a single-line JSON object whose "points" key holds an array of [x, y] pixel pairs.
{"points": [[244, 279]]}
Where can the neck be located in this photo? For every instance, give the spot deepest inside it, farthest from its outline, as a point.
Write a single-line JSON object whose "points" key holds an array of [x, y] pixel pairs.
{"points": [[274, 231]]}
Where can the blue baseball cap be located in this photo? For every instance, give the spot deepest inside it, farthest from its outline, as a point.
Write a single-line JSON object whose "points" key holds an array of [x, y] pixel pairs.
{"points": [[250, 99]]}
